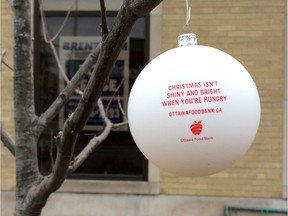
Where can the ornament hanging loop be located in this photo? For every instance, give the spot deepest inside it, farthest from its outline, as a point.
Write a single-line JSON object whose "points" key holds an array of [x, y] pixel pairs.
{"points": [[188, 13], [187, 37], [187, 28]]}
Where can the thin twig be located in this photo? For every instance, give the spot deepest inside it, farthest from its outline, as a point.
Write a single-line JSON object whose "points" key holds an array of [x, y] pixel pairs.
{"points": [[44, 22], [51, 148], [103, 113], [7, 65], [114, 95], [2, 54], [69, 89], [47, 37], [10, 2], [121, 109], [7, 140], [96, 140], [103, 25], [121, 124], [58, 62], [65, 21], [93, 143]]}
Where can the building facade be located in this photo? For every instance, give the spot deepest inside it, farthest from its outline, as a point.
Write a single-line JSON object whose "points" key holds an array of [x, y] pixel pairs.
{"points": [[254, 32]]}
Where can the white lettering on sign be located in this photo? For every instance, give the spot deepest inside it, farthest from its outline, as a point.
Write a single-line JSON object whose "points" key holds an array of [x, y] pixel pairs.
{"points": [[79, 45], [111, 86]]}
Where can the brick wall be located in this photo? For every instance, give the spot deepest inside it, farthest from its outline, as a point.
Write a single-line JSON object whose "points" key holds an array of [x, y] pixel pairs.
{"points": [[252, 32], [8, 178]]}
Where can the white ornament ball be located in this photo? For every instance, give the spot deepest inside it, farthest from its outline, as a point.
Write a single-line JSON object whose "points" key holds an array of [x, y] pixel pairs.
{"points": [[194, 110]]}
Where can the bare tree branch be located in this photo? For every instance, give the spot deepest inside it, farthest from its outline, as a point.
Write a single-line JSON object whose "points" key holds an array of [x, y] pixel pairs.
{"points": [[65, 21], [104, 21], [7, 65], [46, 34], [8, 142], [94, 142], [48, 39], [50, 42], [58, 61], [44, 22], [114, 94], [110, 50], [52, 138], [35, 189], [121, 109], [141, 8], [66, 93], [72, 85], [121, 124], [2, 54]]}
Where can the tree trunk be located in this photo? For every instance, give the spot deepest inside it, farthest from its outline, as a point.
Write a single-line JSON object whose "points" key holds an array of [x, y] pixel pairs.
{"points": [[27, 172], [32, 189]]}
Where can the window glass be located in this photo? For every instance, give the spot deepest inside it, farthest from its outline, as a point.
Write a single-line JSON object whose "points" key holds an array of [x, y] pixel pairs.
{"points": [[117, 157]]}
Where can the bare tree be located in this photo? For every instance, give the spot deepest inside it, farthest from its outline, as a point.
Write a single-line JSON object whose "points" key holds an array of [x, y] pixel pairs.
{"points": [[32, 188]]}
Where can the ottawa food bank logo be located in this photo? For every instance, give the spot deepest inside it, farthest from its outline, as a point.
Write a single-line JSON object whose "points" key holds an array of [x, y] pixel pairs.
{"points": [[196, 127]]}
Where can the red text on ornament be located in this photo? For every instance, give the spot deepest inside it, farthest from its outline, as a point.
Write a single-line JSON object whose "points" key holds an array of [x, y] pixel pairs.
{"points": [[210, 91], [184, 86], [186, 140], [192, 93], [205, 138], [195, 112], [175, 94], [191, 100], [214, 99], [170, 103], [210, 84]]}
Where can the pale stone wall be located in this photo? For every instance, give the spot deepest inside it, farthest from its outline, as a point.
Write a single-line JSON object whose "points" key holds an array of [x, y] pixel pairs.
{"points": [[8, 178], [78, 204]]}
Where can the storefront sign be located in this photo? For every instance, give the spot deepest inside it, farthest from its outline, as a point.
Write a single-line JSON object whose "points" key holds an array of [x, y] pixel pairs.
{"points": [[73, 51]]}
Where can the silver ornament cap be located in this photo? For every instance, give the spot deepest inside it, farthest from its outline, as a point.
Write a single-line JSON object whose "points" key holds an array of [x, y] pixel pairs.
{"points": [[187, 39]]}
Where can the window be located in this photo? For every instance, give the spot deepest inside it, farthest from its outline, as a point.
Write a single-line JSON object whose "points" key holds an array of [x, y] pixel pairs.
{"points": [[118, 157]]}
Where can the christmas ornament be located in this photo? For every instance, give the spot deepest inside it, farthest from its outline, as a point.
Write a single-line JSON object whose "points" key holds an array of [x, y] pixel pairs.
{"points": [[194, 110]]}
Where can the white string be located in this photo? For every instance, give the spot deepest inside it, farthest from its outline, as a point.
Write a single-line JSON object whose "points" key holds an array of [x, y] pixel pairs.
{"points": [[187, 37], [188, 9]]}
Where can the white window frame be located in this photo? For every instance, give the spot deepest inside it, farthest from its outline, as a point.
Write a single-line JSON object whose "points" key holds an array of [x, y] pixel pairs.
{"points": [[285, 117]]}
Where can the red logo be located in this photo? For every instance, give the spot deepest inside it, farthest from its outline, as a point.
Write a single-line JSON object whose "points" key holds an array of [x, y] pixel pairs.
{"points": [[196, 128]]}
